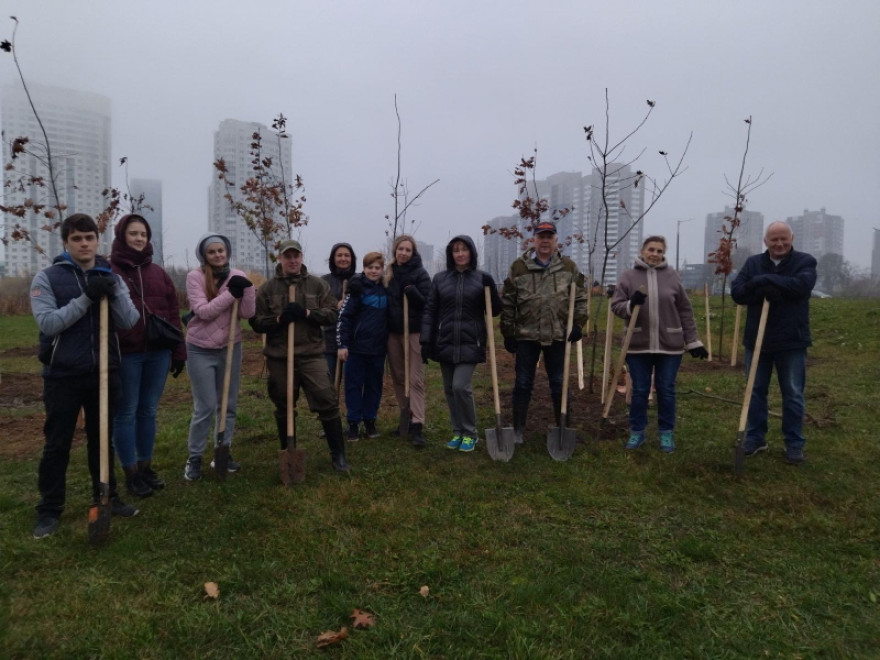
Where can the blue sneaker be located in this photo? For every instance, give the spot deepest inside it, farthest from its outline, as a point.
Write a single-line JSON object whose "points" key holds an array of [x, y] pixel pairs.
{"points": [[635, 441], [667, 444], [794, 455], [455, 443], [750, 449], [467, 443]]}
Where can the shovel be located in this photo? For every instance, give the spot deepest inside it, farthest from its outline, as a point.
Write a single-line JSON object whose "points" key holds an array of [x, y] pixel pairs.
{"points": [[500, 441], [405, 413], [337, 379], [561, 441], [291, 461], [618, 367], [739, 451], [100, 513], [221, 449]]}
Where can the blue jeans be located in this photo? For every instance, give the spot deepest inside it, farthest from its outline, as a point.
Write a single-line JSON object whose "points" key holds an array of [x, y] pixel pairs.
{"points": [[363, 386], [791, 372], [142, 376], [527, 354], [665, 369]]}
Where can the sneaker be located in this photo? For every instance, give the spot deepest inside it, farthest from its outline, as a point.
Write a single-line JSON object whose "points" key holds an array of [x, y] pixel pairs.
{"points": [[455, 443], [46, 526], [467, 443], [370, 428], [794, 455], [353, 431], [752, 449], [635, 441], [121, 509], [193, 469], [231, 464], [667, 444]]}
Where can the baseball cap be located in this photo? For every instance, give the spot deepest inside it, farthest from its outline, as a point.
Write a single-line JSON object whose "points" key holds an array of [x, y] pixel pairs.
{"points": [[289, 244], [544, 226]]}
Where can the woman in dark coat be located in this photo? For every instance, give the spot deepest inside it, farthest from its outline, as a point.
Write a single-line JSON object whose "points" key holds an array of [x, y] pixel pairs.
{"points": [[144, 368], [454, 334], [342, 264]]}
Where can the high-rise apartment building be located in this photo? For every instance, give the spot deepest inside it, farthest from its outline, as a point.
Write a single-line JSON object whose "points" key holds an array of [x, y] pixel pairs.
{"points": [[151, 189], [749, 236], [232, 143], [498, 251], [817, 232], [78, 126]]}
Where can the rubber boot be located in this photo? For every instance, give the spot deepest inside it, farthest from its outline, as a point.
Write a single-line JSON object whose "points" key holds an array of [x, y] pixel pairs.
{"points": [[336, 443], [149, 477], [520, 412], [134, 484], [281, 425], [283, 462], [415, 431]]}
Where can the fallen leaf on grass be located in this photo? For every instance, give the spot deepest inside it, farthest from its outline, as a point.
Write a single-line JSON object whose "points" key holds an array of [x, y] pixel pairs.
{"points": [[332, 637], [212, 590], [362, 619], [424, 591]]}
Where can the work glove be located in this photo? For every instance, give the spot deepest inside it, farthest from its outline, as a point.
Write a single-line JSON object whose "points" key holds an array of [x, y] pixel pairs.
{"points": [[488, 281], [754, 283], [414, 295], [510, 344], [237, 284], [770, 293], [99, 286], [292, 313], [427, 353], [699, 352], [356, 287], [637, 298], [609, 292], [177, 367], [576, 334]]}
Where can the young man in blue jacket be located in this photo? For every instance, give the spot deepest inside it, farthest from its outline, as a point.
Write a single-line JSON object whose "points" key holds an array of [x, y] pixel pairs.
{"points": [[64, 300], [784, 277]]}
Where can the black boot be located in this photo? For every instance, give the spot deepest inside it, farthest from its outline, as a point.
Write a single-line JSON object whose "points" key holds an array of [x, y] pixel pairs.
{"points": [[149, 477], [520, 412], [281, 425], [336, 443], [415, 431], [134, 484]]}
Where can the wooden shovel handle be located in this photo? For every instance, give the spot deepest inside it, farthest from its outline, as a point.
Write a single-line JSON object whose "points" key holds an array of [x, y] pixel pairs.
{"points": [[104, 391], [490, 338], [563, 408], [753, 367], [227, 372], [609, 395], [606, 358], [405, 346], [291, 297]]}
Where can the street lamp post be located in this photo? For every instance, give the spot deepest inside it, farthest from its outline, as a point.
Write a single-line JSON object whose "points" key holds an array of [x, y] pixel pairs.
{"points": [[677, 238]]}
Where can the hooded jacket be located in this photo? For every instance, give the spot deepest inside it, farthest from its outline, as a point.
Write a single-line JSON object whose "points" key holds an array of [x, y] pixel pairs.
{"points": [[454, 322], [666, 321], [152, 291], [535, 299], [402, 276], [335, 278], [363, 319], [313, 293], [788, 322]]}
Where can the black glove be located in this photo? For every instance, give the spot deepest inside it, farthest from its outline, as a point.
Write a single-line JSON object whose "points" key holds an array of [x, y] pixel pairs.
{"points": [[770, 293], [637, 298], [99, 286], [237, 284], [414, 295], [510, 344], [609, 291], [576, 334], [427, 353], [488, 281], [699, 352], [754, 283], [177, 367], [292, 313], [356, 287]]}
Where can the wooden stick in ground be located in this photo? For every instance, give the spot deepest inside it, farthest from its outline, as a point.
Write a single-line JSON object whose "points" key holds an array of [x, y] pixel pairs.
{"points": [[294, 456], [618, 368], [708, 323], [606, 360], [739, 448], [100, 512], [733, 347], [221, 449]]}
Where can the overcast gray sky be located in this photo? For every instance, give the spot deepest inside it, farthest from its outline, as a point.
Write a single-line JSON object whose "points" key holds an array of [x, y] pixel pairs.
{"points": [[479, 85]]}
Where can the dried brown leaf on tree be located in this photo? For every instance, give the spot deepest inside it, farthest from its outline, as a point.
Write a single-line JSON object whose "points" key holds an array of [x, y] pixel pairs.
{"points": [[331, 637], [362, 619], [212, 591]]}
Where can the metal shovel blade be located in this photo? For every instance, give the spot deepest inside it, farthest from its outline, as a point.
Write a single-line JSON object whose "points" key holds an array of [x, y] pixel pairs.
{"points": [[296, 459], [739, 452], [221, 461], [561, 441], [284, 467], [501, 443], [99, 518]]}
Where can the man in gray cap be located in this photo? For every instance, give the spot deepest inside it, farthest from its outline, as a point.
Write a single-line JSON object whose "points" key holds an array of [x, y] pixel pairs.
{"points": [[313, 307]]}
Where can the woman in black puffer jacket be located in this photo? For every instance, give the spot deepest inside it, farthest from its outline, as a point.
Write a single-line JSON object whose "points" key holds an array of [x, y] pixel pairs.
{"points": [[454, 333], [342, 264]]}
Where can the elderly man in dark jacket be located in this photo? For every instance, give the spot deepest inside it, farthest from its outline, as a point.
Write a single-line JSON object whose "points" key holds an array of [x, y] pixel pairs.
{"points": [[784, 277]]}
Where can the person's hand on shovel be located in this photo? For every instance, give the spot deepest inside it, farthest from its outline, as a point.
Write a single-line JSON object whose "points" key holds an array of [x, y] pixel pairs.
{"points": [[576, 334], [237, 284], [292, 313], [770, 293], [100, 286], [637, 298], [699, 353]]}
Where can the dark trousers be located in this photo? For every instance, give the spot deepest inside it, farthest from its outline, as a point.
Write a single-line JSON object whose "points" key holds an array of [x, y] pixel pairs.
{"points": [[310, 374], [363, 386], [63, 399], [527, 354]]}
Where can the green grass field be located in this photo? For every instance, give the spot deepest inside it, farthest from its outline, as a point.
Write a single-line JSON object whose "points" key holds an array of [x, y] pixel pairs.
{"points": [[603, 556]]}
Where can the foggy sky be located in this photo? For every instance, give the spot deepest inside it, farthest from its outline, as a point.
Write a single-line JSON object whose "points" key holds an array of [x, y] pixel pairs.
{"points": [[479, 85]]}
